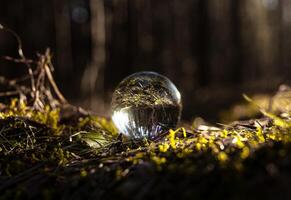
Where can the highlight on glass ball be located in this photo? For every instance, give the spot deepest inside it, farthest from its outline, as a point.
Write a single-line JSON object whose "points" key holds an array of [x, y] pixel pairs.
{"points": [[145, 104]]}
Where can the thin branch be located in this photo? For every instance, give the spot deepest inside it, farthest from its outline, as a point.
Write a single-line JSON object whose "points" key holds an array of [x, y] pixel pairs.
{"points": [[21, 55], [47, 64]]}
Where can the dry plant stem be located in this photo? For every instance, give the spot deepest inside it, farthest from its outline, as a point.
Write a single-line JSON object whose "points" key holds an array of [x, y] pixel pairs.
{"points": [[40, 77], [17, 60], [12, 83], [21, 55], [47, 64], [23, 58], [8, 93]]}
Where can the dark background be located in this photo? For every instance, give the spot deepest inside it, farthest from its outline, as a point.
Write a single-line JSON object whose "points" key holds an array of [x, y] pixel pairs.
{"points": [[213, 50]]}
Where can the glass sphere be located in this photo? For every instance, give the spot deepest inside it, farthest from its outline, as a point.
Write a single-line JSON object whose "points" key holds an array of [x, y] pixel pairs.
{"points": [[145, 104]]}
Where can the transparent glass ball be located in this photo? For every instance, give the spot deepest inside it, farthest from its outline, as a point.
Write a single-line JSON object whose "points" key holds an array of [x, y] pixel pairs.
{"points": [[145, 104]]}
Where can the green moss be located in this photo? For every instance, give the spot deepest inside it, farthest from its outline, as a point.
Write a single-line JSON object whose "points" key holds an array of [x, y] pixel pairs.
{"points": [[89, 155]]}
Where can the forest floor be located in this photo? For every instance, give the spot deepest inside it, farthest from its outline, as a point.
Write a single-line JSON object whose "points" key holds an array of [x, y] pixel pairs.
{"points": [[52, 150], [47, 155], [51, 154]]}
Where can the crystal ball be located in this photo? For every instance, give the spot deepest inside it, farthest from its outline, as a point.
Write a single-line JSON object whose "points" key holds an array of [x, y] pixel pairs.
{"points": [[145, 104]]}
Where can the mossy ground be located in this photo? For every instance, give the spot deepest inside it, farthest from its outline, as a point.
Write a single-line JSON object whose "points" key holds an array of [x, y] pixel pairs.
{"points": [[43, 155], [52, 150]]}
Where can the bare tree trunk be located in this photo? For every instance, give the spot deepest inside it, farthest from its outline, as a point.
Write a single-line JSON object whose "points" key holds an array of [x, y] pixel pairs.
{"points": [[186, 66], [221, 52], [63, 37], [258, 42], [93, 79], [285, 38]]}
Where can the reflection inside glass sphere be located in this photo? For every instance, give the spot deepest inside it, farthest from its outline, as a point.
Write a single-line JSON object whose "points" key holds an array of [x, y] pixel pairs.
{"points": [[146, 104]]}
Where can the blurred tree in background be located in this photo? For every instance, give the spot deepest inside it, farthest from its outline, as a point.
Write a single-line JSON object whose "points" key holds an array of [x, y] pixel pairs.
{"points": [[213, 50]]}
